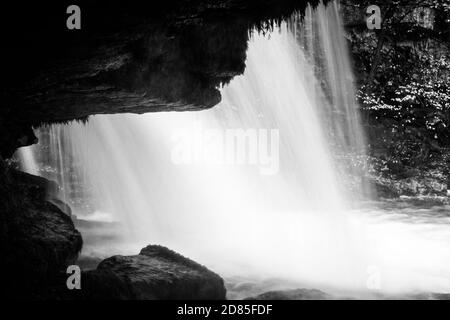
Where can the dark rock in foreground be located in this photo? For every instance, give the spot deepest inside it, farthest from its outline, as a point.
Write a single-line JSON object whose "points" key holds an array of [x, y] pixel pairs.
{"points": [[38, 240], [297, 294], [156, 273]]}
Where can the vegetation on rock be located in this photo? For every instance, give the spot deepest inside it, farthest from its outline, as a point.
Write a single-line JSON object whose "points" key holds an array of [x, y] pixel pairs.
{"points": [[403, 73]]}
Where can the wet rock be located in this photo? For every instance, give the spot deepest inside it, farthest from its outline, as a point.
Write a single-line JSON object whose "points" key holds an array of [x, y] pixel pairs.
{"points": [[425, 182], [296, 294], [385, 191], [156, 273], [38, 240], [423, 185], [64, 207]]}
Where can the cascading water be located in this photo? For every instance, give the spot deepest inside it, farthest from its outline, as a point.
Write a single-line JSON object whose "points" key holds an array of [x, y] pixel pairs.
{"points": [[283, 210]]}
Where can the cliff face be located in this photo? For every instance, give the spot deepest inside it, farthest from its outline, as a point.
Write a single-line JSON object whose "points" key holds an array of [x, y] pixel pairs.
{"points": [[136, 58], [402, 75]]}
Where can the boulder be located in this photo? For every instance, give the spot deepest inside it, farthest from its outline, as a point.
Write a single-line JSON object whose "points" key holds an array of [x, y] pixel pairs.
{"points": [[156, 273], [38, 240]]}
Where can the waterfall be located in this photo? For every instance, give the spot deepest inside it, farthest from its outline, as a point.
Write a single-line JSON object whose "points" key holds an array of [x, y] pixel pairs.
{"points": [[156, 174], [28, 162], [262, 185]]}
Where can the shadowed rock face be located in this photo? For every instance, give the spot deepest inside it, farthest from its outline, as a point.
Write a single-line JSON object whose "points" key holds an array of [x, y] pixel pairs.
{"points": [[159, 56], [157, 273], [38, 240]]}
